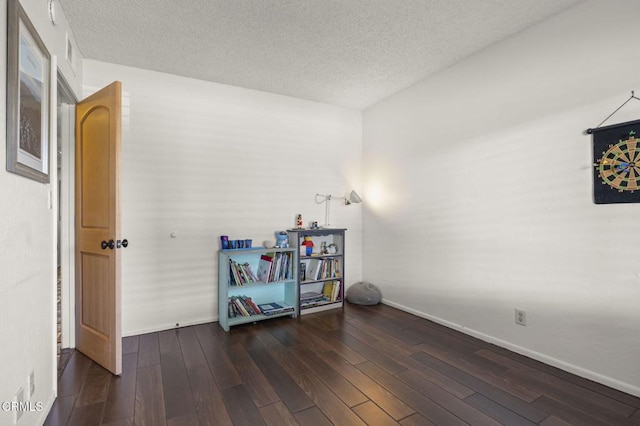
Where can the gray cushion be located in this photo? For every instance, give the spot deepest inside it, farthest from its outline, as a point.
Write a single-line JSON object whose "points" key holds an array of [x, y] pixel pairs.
{"points": [[364, 293]]}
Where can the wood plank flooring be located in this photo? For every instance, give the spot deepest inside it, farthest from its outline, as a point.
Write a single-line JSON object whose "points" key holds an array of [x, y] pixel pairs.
{"points": [[364, 365]]}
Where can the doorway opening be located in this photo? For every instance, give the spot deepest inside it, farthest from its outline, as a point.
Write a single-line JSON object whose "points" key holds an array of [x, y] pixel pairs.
{"points": [[65, 117]]}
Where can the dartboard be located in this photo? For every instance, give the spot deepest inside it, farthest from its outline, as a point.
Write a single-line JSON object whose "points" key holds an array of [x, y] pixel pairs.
{"points": [[619, 166]]}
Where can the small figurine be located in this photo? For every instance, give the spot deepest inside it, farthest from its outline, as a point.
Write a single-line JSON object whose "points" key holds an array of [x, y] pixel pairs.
{"points": [[299, 221], [323, 248], [308, 244], [282, 240]]}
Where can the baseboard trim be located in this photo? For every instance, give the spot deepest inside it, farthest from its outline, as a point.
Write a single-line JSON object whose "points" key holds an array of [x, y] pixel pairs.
{"points": [[167, 327], [578, 371]]}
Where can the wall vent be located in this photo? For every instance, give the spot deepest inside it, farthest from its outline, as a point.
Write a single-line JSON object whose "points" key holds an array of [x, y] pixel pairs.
{"points": [[69, 50]]}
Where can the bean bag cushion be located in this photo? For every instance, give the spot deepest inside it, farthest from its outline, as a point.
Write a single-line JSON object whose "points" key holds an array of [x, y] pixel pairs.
{"points": [[364, 293]]}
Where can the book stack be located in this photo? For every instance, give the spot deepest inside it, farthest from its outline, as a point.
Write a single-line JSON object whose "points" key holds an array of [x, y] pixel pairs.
{"points": [[240, 274], [330, 293], [275, 308], [242, 306], [320, 269], [331, 290], [274, 267], [311, 298]]}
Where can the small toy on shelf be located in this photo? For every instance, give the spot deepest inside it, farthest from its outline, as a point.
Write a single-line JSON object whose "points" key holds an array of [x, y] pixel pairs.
{"points": [[323, 248], [282, 239], [308, 245]]}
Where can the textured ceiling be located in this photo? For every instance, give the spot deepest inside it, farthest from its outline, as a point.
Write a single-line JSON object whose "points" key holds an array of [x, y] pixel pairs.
{"points": [[344, 52]]}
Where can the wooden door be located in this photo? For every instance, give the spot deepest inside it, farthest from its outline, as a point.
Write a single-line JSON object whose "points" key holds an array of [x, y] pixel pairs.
{"points": [[98, 133]]}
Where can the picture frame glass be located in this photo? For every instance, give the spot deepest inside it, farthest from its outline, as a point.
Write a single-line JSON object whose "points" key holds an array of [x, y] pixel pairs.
{"points": [[33, 112]]}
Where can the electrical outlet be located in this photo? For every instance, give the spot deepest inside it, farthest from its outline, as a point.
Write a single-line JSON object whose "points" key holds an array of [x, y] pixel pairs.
{"points": [[19, 402], [31, 385], [521, 317]]}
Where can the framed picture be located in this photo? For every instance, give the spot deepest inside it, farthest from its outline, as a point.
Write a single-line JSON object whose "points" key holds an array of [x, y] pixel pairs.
{"points": [[28, 96]]}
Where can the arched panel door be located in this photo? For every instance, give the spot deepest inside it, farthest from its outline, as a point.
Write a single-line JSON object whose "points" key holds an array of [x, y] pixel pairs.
{"points": [[98, 139]]}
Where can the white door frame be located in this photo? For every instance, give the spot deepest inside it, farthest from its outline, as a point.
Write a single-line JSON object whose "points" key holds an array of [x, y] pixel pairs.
{"points": [[67, 206]]}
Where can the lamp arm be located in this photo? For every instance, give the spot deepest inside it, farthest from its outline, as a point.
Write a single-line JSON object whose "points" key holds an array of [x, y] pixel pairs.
{"points": [[353, 197], [321, 198], [325, 198], [326, 212]]}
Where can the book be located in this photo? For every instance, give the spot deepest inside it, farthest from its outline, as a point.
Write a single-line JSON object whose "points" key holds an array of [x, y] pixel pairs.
{"points": [[314, 269], [238, 304], [242, 271], [327, 290], [234, 276], [247, 305], [248, 270], [264, 268], [286, 272], [253, 307], [275, 271], [303, 271]]}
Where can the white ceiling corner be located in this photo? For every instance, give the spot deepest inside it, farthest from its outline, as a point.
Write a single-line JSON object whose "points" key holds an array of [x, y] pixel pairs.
{"points": [[352, 53]]}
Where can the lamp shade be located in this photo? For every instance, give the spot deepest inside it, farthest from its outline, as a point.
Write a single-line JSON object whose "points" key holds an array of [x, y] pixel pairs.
{"points": [[353, 197]]}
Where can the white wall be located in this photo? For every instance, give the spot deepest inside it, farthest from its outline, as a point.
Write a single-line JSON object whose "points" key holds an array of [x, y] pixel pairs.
{"points": [[27, 252], [479, 190], [202, 160]]}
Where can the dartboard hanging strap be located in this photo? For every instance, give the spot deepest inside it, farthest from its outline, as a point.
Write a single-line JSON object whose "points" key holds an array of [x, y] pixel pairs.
{"points": [[633, 96]]}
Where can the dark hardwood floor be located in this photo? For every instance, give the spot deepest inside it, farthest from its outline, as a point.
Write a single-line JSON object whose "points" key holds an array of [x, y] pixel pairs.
{"points": [[364, 365]]}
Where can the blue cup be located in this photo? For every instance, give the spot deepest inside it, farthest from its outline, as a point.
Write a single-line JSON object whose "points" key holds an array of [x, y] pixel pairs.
{"points": [[240, 243], [233, 244], [247, 243], [224, 239]]}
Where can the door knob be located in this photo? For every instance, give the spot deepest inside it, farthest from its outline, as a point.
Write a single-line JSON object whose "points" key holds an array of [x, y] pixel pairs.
{"points": [[124, 243], [109, 244]]}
